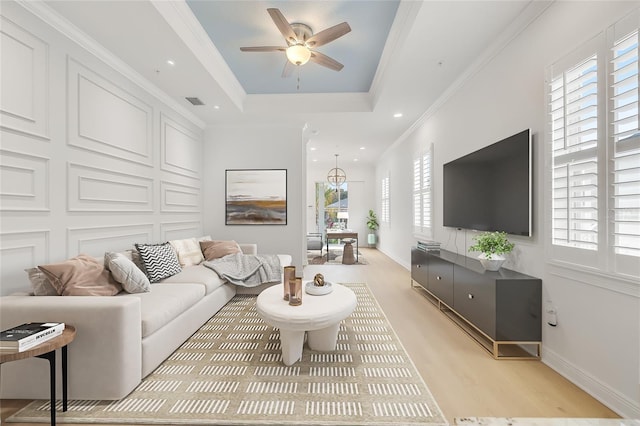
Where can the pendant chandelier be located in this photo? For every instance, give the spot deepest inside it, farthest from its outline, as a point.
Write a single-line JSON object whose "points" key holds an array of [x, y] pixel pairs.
{"points": [[336, 176]]}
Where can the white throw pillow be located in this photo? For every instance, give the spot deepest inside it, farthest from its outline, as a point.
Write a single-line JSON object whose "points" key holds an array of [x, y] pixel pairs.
{"points": [[126, 272], [188, 251]]}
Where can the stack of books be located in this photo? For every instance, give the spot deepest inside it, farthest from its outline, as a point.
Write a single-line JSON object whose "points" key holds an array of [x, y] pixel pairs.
{"points": [[428, 245], [28, 335]]}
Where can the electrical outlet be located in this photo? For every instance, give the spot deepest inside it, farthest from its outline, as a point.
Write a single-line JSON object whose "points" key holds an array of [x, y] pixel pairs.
{"points": [[552, 314]]}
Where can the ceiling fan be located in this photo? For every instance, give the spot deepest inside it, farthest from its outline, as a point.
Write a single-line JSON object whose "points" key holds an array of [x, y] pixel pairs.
{"points": [[301, 43]]}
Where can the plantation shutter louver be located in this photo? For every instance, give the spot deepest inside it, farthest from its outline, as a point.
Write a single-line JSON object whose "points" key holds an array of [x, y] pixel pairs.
{"points": [[422, 193], [574, 122], [625, 138], [417, 204], [426, 191], [385, 200]]}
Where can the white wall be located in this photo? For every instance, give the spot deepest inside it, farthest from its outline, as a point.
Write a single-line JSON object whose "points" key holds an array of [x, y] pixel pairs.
{"points": [[256, 147], [597, 341], [361, 186], [89, 161]]}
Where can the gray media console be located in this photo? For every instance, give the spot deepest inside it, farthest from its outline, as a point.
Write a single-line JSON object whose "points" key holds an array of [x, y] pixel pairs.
{"points": [[501, 310]]}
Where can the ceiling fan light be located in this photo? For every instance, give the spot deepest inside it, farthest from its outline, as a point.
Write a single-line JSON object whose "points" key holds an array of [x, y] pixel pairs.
{"points": [[298, 54]]}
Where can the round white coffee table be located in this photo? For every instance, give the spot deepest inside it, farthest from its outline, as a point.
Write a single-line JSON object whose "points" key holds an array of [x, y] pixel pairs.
{"points": [[319, 316]]}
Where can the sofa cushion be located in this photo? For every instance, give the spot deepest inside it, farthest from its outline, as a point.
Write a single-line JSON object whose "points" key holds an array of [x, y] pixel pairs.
{"points": [[81, 276], [160, 260], [188, 250], [165, 302], [199, 274]]}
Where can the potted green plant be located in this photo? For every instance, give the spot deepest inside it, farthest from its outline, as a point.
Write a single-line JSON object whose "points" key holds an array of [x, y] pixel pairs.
{"points": [[372, 224], [492, 245]]}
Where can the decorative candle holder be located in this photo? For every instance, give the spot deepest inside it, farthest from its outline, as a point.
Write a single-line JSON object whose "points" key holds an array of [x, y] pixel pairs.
{"points": [[295, 292], [289, 276]]}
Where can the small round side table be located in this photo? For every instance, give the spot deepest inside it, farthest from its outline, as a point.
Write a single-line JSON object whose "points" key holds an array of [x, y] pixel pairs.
{"points": [[47, 350]]}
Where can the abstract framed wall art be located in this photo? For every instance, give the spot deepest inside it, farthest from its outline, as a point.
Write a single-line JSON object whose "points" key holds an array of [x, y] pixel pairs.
{"points": [[256, 197]]}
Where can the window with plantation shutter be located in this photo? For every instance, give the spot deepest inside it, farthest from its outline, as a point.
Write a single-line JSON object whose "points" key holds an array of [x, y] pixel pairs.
{"points": [[417, 203], [384, 216], [422, 193], [574, 118], [625, 140], [594, 146]]}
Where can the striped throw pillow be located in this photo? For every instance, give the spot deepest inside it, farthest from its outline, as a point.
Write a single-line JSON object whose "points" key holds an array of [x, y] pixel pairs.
{"points": [[160, 260]]}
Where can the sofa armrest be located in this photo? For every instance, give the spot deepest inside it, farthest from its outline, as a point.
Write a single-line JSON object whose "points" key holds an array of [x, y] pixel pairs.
{"points": [[249, 248], [108, 342]]}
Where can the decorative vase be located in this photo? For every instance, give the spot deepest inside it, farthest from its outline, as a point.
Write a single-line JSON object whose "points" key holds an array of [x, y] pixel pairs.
{"points": [[295, 292], [492, 264], [289, 276], [371, 238]]}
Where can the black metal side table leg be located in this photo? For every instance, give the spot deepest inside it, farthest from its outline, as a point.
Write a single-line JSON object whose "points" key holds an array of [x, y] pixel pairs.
{"points": [[64, 378], [51, 357]]}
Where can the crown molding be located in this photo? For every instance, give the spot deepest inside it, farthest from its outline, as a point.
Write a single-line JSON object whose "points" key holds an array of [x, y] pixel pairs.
{"points": [[179, 16], [400, 29], [530, 14], [40, 9]]}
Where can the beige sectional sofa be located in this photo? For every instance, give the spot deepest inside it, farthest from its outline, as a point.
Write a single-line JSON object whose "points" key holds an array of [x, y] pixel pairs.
{"points": [[120, 339]]}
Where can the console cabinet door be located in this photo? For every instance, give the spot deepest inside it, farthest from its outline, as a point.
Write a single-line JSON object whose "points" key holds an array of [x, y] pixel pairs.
{"points": [[519, 309], [475, 299], [441, 279], [419, 267]]}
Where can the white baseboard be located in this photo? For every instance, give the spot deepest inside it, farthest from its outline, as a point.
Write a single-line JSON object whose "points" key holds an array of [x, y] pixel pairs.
{"points": [[600, 391]]}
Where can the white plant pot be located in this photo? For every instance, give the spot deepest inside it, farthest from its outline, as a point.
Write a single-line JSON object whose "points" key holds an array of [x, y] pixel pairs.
{"points": [[371, 239], [492, 264]]}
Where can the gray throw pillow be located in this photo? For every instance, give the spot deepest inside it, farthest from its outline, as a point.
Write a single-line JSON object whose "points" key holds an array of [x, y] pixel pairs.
{"points": [[126, 272]]}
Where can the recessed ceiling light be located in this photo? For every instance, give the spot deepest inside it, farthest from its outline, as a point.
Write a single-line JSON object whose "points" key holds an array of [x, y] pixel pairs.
{"points": [[362, 147], [171, 62], [314, 160], [397, 115], [313, 148], [355, 159], [216, 107]]}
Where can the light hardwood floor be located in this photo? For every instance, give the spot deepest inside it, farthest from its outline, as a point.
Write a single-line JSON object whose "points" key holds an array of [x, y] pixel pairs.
{"points": [[464, 379]]}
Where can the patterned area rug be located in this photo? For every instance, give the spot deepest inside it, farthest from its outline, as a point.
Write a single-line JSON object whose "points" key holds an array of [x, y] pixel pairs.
{"points": [[230, 372]]}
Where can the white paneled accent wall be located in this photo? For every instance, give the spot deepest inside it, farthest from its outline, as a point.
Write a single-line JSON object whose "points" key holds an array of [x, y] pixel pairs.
{"points": [[24, 81], [23, 179], [90, 161], [91, 189], [106, 119]]}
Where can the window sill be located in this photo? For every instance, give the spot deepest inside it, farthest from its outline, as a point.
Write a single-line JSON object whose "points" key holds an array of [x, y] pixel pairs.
{"points": [[594, 277]]}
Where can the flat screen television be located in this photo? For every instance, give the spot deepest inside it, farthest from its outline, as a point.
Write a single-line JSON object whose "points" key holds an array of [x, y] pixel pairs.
{"points": [[491, 188]]}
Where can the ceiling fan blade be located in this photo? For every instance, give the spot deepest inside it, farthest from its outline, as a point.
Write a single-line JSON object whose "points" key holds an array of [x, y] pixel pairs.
{"points": [[328, 35], [283, 25], [263, 49], [288, 69], [326, 61]]}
